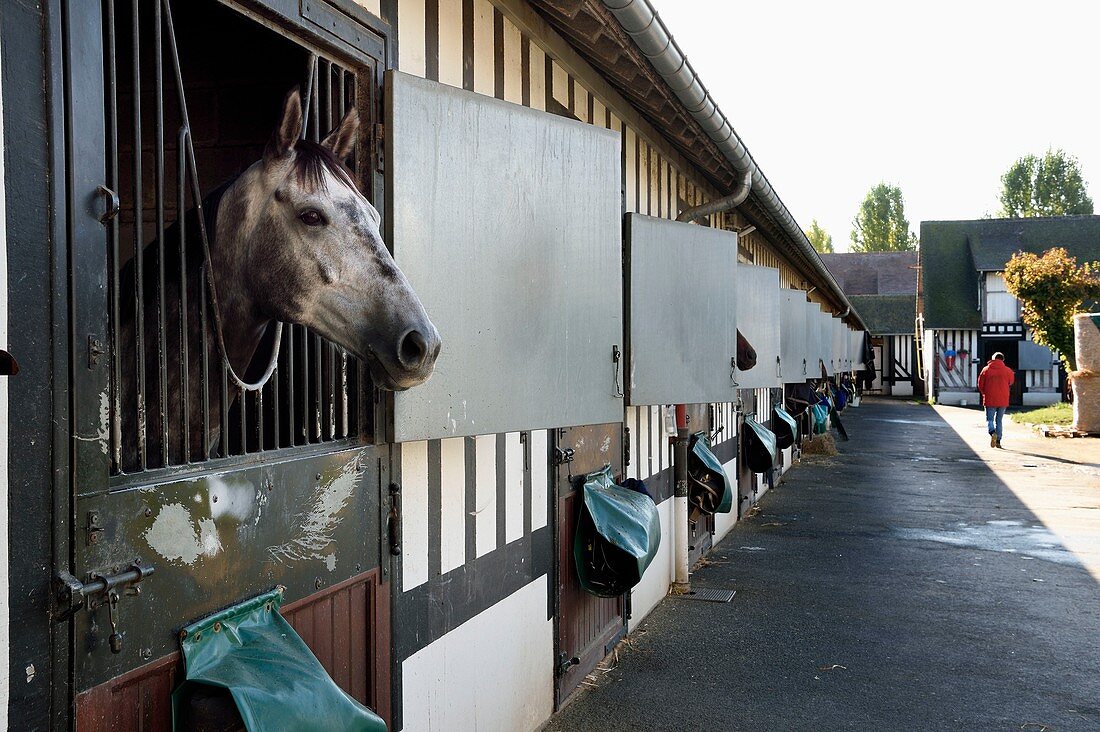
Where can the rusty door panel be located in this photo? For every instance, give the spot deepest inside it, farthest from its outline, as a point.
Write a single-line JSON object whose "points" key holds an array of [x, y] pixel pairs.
{"points": [[587, 624]]}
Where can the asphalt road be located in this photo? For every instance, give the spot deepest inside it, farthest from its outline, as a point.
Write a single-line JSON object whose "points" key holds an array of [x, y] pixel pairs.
{"points": [[918, 581]]}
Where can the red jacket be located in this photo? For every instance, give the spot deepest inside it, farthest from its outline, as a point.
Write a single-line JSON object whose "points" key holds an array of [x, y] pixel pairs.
{"points": [[995, 382]]}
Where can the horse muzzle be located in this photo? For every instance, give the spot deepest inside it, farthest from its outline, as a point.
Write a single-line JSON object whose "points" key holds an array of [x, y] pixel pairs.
{"points": [[407, 360]]}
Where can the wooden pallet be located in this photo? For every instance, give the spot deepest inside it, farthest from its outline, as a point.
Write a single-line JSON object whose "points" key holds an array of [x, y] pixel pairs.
{"points": [[1057, 430]]}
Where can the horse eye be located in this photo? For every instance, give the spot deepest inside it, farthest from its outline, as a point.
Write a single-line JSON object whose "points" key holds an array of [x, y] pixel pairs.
{"points": [[311, 218]]}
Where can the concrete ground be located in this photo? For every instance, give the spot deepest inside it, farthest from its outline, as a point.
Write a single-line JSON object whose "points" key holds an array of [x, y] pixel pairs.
{"points": [[918, 581]]}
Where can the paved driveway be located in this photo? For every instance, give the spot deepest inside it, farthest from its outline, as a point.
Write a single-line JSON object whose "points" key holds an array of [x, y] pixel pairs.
{"points": [[918, 581]]}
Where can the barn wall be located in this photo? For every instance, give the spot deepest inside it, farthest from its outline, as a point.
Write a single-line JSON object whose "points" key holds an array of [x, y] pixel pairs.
{"points": [[479, 502]]}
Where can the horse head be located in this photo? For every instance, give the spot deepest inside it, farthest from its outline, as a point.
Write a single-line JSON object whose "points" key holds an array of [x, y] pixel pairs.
{"points": [[746, 354], [304, 246]]}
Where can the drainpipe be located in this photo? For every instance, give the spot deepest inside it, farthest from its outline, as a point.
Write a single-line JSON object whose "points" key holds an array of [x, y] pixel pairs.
{"points": [[719, 205], [681, 583]]}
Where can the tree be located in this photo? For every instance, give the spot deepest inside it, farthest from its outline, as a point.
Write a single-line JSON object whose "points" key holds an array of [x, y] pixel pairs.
{"points": [[880, 225], [1048, 186], [1051, 287], [821, 239]]}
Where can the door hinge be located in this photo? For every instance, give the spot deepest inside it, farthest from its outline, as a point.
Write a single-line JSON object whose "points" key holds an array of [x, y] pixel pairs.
{"points": [[72, 595], [393, 521]]}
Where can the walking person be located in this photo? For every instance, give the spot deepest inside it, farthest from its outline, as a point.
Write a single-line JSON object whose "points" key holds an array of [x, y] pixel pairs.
{"points": [[995, 382]]}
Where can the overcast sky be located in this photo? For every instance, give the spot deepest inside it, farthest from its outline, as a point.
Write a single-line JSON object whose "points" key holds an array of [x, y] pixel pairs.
{"points": [[937, 97]]}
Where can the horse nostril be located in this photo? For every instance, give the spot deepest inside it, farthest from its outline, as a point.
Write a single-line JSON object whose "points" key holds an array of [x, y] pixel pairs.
{"points": [[412, 349]]}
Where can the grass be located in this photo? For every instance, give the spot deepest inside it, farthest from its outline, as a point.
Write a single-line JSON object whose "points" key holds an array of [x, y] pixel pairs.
{"points": [[1061, 413]]}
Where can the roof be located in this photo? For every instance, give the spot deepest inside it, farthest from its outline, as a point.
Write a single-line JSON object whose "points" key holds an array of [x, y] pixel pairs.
{"points": [[952, 253], [887, 314], [874, 273]]}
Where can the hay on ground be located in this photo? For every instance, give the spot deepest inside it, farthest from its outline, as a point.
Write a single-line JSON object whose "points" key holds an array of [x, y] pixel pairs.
{"points": [[820, 445]]}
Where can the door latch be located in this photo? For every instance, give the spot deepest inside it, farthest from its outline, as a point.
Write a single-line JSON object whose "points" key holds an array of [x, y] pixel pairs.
{"points": [[101, 589], [565, 663], [564, 455], [394, 519]]}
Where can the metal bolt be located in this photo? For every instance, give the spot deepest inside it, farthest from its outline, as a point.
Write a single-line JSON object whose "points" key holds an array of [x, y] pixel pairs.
{"points": [[318, 583], [318, 476], [358, 567], [215, 498], [148, 512], [146, 653]]}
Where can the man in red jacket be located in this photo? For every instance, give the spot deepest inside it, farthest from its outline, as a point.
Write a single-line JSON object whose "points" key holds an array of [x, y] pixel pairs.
{"points": [[994, 383]]}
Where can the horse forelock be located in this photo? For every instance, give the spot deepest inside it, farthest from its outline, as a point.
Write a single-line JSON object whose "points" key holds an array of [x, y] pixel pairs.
{"points": [[311, 163]]}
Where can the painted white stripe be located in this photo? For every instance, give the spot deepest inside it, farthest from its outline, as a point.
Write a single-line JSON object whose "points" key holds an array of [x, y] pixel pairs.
{"points": [[641, 440], [485, 493], [410, 37], [414, 514], [599, 114], [513, 487], [513, 63], [486, 500], [538, 78], [452, 525], [539, 478], [450, 42], [632, 469], [484, 65], [655, 446], [561, 85], [580, 103]]}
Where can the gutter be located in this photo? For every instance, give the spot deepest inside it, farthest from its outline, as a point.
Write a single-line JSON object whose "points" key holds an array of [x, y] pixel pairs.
{"points": [[644, 26]]}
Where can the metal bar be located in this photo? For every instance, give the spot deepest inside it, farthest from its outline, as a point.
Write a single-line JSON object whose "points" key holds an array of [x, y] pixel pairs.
{"points": [[242, 399], [290, 384], [304, 340], [139, 268], [315, 105], [260, 420], [223, 437], [113, 224], [204, 369], [185, 361], [276, 424], [318, 388], [311, 71], [158, 172]]}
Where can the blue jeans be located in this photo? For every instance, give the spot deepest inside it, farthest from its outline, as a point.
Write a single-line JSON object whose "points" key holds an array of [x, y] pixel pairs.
{"points": [[994, 419]]}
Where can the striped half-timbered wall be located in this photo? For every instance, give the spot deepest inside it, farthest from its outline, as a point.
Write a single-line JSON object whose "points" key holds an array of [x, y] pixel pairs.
{"points": [[475, 509], [964, 377]]}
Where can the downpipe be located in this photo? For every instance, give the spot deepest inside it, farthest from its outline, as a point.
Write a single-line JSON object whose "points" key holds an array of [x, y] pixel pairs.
{"points": [[719, 205], [681, 583]]}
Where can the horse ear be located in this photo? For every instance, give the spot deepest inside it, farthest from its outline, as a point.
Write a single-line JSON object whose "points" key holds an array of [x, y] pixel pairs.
{"points": [[342, 139], [290, 127]]}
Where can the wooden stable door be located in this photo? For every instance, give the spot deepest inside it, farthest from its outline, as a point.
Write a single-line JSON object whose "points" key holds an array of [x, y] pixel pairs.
{"points": [[588, 627], [173, 515]]}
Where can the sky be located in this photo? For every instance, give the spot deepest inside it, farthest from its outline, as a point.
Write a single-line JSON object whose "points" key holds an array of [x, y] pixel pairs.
{"points": [[939, 98]]}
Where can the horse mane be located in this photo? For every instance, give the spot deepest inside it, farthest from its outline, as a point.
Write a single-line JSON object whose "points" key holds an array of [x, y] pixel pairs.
{"points": [[311, 162]]}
